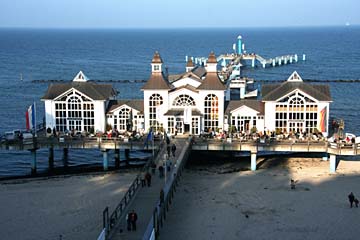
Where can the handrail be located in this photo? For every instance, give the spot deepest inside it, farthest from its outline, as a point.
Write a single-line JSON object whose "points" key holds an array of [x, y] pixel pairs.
{"points": [[159, 213], [116, 215]]}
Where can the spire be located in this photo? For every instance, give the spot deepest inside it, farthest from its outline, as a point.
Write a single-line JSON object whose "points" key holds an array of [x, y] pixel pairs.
{"points": [[157, 81], [189, 65], [156, 63], [211, 63]]}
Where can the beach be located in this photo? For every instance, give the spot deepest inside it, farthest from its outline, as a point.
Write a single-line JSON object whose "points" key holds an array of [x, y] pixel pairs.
{"points": [[215, 202], [70, 206]]}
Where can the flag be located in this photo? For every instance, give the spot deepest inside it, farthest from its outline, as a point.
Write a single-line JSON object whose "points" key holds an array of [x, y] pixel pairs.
{"points": [[322, 122], [30, 117], [148, 138]]}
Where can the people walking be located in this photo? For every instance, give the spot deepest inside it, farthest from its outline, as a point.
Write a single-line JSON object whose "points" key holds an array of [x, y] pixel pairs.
{"points": [[168, 148], [148, 179], [173, 149], [133, 219], [162, 197], [351, 199], [356, 201], [128, 221]]}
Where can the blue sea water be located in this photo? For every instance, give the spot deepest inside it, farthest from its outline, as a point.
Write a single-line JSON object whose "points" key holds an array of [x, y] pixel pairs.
{"points": [[332, 53]]}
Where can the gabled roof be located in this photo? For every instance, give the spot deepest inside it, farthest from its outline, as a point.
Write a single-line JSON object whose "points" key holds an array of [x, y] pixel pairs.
{"points": [[199, 71], [80, 77], [187, 86], [157, 81], [253, 104], [90, 89], [137, 104], [212, 82], [272, 92]]}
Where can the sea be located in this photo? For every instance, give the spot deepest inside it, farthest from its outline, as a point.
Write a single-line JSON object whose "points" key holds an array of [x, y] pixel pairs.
{"points": [[31, 58]]}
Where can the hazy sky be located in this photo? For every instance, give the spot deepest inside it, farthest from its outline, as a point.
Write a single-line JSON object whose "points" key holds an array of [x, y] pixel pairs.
{"points": [[176, 13]]}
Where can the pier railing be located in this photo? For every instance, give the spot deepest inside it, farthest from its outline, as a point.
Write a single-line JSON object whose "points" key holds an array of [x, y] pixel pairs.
{"points": [[160, 211], [110, 222], [273, 145], [75, 142]]}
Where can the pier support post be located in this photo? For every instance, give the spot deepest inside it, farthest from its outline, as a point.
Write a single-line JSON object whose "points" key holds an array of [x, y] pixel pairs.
{"points": [[332, 163], [291, 59], [105, 159], [296, 57], [273, 62], [253, 161], [304, 57], [51, 158], [33, 161], [65, 157], [127, 156], [264, 65], [117, 158], [253, 62], [279, 61]]}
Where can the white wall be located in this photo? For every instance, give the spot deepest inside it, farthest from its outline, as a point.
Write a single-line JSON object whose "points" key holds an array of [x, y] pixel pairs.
{"points": [[99, 118], [49, 113], [269, 118]]}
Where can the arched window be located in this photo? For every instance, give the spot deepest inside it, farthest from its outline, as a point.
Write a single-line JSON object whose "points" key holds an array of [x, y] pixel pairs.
{"points": [[74, 111], [296, 113], [155, 101], [184, 100], [296, 108], [211, 110], [124, 119]]}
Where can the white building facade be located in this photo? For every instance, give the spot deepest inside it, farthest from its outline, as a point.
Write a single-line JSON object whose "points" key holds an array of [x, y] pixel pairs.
{"points": [[189, 103]]}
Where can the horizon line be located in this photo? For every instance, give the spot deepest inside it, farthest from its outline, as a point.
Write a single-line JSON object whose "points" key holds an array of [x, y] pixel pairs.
{"points": [[176, 28]]}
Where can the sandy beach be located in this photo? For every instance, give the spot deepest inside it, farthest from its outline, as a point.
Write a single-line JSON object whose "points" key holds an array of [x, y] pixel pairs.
{"points": [[71, 206], [218, 203]]}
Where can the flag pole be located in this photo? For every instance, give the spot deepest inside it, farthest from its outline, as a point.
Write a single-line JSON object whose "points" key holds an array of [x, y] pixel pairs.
{"points": [[35, 119], [152, 140]]}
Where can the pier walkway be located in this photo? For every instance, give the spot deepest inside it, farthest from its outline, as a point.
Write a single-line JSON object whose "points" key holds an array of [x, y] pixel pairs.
{"points": [[146, 202]]}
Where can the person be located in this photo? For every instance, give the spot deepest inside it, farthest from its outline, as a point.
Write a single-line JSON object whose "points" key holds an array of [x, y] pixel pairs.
{"points": [[161, 171], [133, 219], [292, 184], [356, 201], [143, 181], [162, 196], [351, 199], [168, 148], [128, 221], [173, 149], [148, 179]]}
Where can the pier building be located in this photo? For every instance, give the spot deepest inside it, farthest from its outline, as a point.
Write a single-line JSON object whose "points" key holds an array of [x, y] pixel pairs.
{"points": [[193, 102]]}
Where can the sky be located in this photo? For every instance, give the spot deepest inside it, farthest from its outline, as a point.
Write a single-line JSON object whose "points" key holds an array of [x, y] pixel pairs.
{"points": [[177, 13]]}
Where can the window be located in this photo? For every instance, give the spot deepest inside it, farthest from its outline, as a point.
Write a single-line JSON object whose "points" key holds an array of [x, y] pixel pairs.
{"points": [[74, 111], [195, 125], [171, 125], [184, 100], [155, 102], [124, 123], [297, 113], [211, 112]]}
